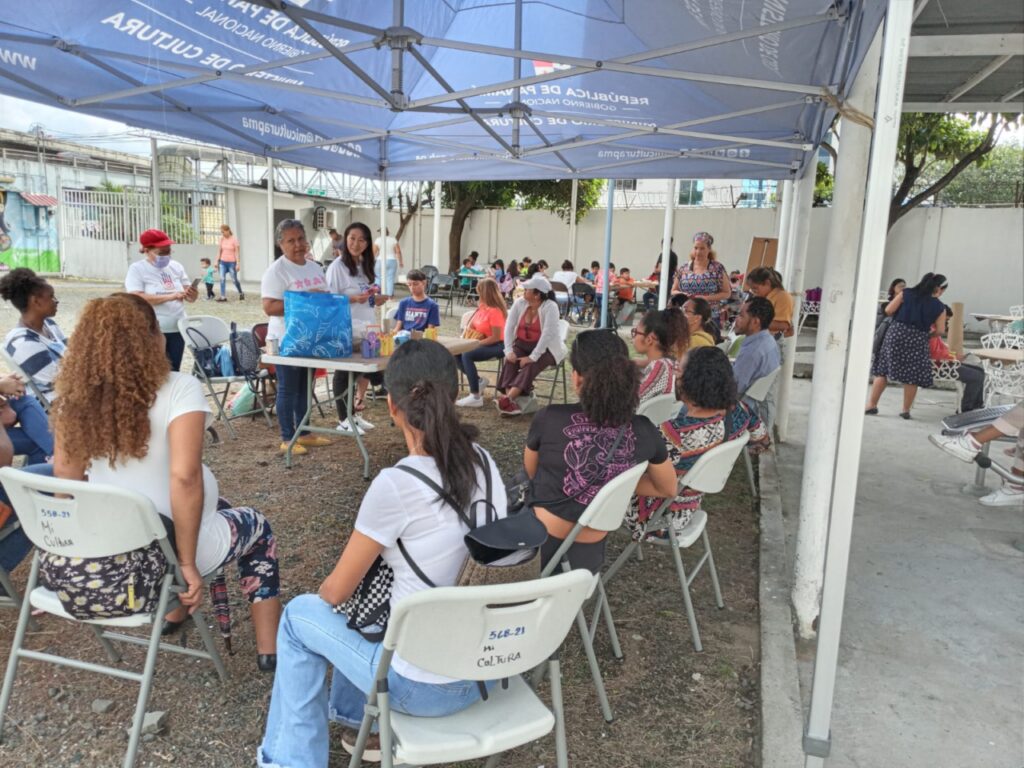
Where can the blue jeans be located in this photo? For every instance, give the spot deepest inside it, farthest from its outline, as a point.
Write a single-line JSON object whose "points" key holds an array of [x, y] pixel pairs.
{"points": [[310, 639], [292, 399], [468, 361], [32, 436], [14, 546], [227, 267], [390, 276]]}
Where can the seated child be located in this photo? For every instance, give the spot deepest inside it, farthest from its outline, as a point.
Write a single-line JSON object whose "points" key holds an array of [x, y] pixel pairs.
{"points": [[417, 312]]}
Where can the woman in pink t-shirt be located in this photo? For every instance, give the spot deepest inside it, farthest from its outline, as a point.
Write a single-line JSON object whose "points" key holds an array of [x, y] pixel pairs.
{"points": [[488, 325], [227, 262]]}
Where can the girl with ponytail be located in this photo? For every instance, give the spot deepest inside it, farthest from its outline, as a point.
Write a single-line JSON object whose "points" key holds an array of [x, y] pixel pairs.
{"points": [[662, 337], [573, 450], [422, 383]]}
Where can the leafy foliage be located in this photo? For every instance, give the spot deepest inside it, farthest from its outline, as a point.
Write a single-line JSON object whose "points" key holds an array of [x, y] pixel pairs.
{"points": [[926, 139], [823, 185], [996, 179]]}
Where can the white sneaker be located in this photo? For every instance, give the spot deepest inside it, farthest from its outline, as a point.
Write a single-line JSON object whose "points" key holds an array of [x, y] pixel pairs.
{"points": [[348, 429], [963, 446], [1005, 496], [484, 383], [362, 423], [470, 401]]}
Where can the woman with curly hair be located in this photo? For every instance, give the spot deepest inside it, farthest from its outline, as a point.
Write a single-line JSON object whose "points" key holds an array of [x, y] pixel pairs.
{"points": [[123, 417], [573, 450], [712, 416]]}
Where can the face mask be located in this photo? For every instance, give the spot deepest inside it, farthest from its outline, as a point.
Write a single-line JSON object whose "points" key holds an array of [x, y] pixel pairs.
{"points": [[162, 261]]}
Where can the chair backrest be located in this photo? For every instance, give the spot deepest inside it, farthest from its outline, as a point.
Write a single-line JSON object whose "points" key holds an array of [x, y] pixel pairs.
{"points": [[759, 388], [711, 471], [214, 330], [259, 332], [429, 270], [443, 281], [659, 409], [29, 381], [582, 289], [559, 287], [87, 520], [609, 507], [485, 633]]}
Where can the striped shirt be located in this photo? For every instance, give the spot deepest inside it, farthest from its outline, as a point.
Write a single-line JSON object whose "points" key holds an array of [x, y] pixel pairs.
{"points": [[36, 354]]}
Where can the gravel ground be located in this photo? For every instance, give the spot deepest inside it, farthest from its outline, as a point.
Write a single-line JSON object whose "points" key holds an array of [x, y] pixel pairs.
{"points": [[673, 707]]}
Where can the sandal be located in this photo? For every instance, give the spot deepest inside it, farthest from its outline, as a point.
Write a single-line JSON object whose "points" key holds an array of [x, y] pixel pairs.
{"points": [[870, 411]]}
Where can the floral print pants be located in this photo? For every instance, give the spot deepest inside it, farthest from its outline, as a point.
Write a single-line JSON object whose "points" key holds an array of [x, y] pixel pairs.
{"points": [[254, 548]]}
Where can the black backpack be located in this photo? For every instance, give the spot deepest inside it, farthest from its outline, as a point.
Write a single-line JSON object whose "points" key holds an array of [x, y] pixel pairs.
{"points": [[245, 354]]}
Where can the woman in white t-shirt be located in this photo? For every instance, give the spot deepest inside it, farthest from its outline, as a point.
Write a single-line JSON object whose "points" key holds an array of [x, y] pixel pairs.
{"points": [[162, 282], [422, 384], [392, 258], [353, 274], [123, 418], [291, 272]]}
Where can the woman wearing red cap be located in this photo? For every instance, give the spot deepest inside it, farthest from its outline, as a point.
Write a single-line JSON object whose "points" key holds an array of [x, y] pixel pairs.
{"points": [[162, 282]]}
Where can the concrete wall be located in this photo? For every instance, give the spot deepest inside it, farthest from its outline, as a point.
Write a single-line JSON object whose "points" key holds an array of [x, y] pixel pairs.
{"points": [[980, 250]]}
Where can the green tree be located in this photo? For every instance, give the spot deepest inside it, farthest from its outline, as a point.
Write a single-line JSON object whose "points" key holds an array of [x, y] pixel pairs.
{"points": [[463, 197], [998, 179], [927, 139], [823, 184]]}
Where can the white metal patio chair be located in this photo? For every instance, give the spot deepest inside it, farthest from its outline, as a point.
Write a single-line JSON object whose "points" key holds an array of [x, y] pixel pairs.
{"points": [[808, 309], [95, 520], [1017, 311], [757, 392], [558, 372], [503, 632], [29, 381], [708, 475], [605, 513], [208, 332]]}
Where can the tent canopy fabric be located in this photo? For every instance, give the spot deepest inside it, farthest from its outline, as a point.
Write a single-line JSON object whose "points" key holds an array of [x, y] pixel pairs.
{"points": [[464, 89]]}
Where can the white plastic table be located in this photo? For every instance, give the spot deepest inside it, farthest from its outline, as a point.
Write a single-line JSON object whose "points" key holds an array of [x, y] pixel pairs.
{"points": [[354, 365]]}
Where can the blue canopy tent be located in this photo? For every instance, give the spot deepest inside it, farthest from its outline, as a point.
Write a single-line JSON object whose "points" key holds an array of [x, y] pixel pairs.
{"points": [[484, 89]]}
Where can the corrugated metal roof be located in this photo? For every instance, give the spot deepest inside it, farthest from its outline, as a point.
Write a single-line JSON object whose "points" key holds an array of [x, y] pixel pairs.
{"points": [[44, 201]]}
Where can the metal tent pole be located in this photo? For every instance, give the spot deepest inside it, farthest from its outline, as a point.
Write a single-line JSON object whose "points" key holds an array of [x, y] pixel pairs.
{"points": [[270, 209], [666, 241], [607, 253], [872, 252], [785, 221], [572, 223], [794, 281], [435, 257], [830, 346], [154, 180]]}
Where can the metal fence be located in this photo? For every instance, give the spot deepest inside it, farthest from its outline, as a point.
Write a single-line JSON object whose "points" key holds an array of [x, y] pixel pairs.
{"points": [[189, 216]]}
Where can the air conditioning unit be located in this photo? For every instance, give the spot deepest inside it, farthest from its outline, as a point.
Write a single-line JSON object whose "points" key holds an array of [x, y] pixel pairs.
{"points": [[324, 219]]}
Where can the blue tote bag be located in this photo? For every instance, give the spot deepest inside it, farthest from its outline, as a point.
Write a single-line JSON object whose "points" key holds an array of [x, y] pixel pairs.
{"points": [[316, 325]]}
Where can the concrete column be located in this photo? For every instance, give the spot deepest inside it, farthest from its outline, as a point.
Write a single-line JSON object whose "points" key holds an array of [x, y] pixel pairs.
{"points": [[609, 215], [154, 181], [785, 220], [794, 282], [270, 210], [847, 460], [572, 223], [831, 345]]}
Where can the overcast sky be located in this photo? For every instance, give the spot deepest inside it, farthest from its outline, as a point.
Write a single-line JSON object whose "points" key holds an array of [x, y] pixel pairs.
{"points": [[20, 115]]}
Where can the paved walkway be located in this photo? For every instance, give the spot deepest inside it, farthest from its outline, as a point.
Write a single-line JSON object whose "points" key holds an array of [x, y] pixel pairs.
{"points": [[931, 667]]}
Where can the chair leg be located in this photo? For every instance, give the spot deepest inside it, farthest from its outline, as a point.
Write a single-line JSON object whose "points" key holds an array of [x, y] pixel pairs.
{"points": [[493, 761], [147, 673], [112, 653], [609, 621], [364, 733], [595, 669], [24, 614], [15, 598], [714, 571], [750, 472], [211, 648], [691, 617], [620, 561], [384, 728], [561, 745]]}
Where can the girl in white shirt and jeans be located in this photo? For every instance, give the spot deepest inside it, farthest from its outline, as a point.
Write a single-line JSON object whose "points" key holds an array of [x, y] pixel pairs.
{"points": [[422, 385]]}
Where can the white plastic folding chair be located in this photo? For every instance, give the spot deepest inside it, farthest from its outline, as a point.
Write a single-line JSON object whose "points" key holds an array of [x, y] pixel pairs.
{"points": [[757, 392], [709, 474], [208, 332], [502, 632], [659, 409], [29, 381], [559, 369], [93, 520], [605, 513]]}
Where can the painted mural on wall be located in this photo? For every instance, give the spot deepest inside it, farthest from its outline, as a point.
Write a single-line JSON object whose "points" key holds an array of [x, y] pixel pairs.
{"points": [[28, 235]]}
